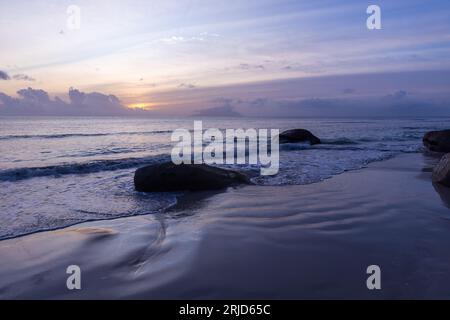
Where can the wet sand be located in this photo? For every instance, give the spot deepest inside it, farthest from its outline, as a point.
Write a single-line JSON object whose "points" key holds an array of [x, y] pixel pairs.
{"points": [[311, 241]]}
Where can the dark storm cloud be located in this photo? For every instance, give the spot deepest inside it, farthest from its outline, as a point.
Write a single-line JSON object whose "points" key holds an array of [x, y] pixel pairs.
{"points": [[20, 76], [396, 104], [4, 75], [37, 102], [23, 77]]}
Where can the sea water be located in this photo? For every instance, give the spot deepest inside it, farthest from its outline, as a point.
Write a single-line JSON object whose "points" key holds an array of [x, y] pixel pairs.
{"points": [[56, 172]]}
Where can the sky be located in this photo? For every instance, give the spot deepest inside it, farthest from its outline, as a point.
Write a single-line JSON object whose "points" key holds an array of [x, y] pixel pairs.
{"points": [[264, 57]]}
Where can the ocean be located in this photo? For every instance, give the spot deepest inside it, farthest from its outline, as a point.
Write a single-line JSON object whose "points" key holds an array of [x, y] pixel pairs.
{"points": [[57, 172]]}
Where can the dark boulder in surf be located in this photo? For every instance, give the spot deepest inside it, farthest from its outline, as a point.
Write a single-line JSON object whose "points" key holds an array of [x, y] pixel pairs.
{"points": [[298, 135], [167, 177], [437, 141], [441, 172]]}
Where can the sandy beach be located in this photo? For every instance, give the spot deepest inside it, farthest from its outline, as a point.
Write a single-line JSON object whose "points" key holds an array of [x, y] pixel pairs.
{"points": [[310, 241]]}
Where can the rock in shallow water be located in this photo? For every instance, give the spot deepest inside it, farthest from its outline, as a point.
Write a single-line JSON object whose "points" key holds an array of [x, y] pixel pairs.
{"points": [[168, 177], [441, 173], [298, 135], [437, 141]]}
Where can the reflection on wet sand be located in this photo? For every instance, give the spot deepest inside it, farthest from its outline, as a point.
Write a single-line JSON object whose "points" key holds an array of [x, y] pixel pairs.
{"points": [[444, 193]]}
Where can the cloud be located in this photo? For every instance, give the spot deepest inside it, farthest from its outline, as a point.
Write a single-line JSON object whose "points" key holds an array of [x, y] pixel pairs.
{"points": [[222, 111], [4, 75], [401, 94], [187, 86], [348, 91], [23, 77], [201, 37], [396, 104], [37, 102], [398, 95], [20, 76], [173, 39], [247, 66], [35, 96], [312, 68]]}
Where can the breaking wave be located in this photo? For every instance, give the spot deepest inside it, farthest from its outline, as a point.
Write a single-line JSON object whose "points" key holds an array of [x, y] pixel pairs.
{"points": [[71, 135], [78, 168]]}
